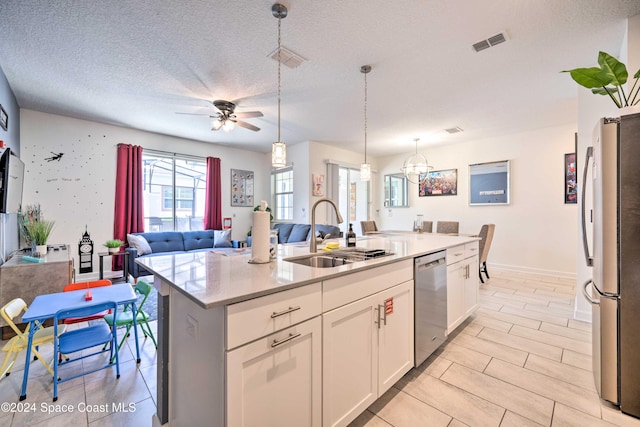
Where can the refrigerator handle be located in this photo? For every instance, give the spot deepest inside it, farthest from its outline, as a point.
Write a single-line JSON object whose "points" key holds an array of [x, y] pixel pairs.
{"points": [[585, 243], [586, 294]]}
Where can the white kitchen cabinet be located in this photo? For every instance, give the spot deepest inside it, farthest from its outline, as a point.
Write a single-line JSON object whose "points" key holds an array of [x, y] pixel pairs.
{"points": [[367, 347], [274, 359], [462, 284], [277, 379]]}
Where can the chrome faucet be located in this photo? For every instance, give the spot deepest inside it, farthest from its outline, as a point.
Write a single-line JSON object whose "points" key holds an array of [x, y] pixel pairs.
{"points": [[313, 245]]}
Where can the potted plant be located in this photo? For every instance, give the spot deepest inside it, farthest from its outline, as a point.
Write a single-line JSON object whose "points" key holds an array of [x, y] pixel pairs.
{"points": [[113, 245], [268, 209], [608, 79], [39, 232]]}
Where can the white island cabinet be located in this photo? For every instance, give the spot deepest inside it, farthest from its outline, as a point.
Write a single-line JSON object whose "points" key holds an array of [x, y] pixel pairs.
{"points": [[282, 344], [368, 342], [462, 284]]}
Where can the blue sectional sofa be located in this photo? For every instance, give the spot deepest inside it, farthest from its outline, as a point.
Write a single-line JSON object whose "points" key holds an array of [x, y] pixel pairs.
{"points": [[172, 242], [289, 233]]}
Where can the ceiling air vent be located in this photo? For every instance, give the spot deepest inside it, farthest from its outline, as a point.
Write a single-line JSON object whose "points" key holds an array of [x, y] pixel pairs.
{"points": [[491, 41], [288, 57], [456, 129]]}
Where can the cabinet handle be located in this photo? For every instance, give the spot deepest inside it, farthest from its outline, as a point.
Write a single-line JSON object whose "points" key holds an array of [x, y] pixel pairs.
{"points": [[382, 309], [291, 336], [458, 254], [283, 312]]}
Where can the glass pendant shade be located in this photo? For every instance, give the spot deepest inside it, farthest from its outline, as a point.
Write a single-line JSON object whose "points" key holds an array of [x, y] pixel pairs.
{"points": [[278, 154], [228, 126], [415, 166], [365, 171], [216, 124]]}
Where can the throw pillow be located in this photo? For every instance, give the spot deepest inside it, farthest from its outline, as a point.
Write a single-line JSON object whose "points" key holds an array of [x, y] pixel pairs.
{"points": [[222, 239], [139, 243]]}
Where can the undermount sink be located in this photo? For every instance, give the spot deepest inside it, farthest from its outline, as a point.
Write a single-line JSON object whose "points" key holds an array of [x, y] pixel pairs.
{"points": [[319, 261]]}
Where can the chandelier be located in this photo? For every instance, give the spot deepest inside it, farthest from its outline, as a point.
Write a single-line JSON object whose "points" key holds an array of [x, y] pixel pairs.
{"points": [[279, 149], [415, 168]]}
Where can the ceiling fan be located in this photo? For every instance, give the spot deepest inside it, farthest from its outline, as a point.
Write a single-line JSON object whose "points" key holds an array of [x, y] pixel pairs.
{"points": [[226, 118]]}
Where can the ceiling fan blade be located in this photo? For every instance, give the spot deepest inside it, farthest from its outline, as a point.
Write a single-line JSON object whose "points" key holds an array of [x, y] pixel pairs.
{"points": [[213, 116], [248, 114], [247, 125]]}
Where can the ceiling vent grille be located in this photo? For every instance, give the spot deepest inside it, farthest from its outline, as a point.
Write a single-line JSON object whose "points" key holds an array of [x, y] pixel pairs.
{"points": [[490, 42], [288, 57], [456, 129]]}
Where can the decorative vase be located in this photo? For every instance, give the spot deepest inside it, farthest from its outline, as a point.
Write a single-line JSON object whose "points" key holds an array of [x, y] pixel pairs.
{"points": [[41, 250], [113, 250]]}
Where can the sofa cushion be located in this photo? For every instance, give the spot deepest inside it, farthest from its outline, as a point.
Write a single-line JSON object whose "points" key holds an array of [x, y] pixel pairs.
{"points": [[222, 239], [198, 239], [165, 241], [299, 233], [284, 230], [139, 243]]}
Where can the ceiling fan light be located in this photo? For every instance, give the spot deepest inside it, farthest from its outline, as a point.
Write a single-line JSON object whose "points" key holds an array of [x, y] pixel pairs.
{"points": [[365, 172], [228, 126], [278, 154], [216, 125]]}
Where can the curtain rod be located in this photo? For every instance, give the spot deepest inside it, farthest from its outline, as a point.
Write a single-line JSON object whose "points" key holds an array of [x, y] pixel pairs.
{"points": [[167, 153]]}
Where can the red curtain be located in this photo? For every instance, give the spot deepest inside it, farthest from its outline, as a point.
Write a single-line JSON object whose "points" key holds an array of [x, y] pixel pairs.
{"points": [[213, 200], [129, 212]]}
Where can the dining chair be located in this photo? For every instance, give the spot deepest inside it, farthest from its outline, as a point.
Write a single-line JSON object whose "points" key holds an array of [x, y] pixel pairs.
{"points": [[86, 285], [448, 227], [125, 318], [486, 236], [15, 345], [368, 227], [96, 334]]}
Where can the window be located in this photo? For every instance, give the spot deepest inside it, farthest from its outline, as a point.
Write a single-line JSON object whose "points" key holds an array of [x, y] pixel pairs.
{"points": [[353, 198], [174, 192], [282, 181]]}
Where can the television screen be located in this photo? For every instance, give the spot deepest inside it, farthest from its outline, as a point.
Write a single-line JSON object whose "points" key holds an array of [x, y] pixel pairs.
{"points": [[12, 173]]}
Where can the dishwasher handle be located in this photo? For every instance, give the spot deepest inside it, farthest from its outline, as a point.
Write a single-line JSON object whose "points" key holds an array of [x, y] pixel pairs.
{"points": [[429, 265]]}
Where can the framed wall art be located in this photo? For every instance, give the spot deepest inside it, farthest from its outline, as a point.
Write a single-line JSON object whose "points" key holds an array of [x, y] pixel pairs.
{"points": [[318, 185], [439, 183], [4, 119], [570, 181], [489, 183], [241, 188]]}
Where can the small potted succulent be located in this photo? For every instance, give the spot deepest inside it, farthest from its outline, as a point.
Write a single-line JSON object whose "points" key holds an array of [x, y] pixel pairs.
{"points": [[113, 245]]}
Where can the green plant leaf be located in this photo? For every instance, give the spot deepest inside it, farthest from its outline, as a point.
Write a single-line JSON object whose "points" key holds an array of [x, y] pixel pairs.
{"points": [[589, 77], [602, 91], [613, 68]]}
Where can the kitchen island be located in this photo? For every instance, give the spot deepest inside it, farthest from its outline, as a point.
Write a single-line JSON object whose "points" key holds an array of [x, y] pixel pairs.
{"points": [[282, 343]]}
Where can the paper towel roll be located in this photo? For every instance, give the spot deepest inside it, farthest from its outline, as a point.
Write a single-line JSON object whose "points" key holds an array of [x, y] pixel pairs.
{"points": [[260, 237]]}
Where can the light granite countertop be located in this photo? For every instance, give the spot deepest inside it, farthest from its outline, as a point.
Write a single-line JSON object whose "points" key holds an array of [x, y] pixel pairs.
{"points": [[221, 277]]}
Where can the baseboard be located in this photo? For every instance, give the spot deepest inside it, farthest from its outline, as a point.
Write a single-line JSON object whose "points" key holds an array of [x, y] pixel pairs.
{"points": [[584, 316], [530, 270]]}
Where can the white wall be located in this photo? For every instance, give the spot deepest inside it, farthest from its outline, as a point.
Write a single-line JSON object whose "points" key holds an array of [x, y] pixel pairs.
{"points": [[536, 232], [80, 188]]}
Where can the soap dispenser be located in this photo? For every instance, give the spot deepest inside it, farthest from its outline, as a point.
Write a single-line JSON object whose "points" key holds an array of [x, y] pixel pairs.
{"points": [[351, 236]]}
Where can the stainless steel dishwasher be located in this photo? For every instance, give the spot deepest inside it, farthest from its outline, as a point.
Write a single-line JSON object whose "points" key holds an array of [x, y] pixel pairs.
{"points": [[430, 276]]}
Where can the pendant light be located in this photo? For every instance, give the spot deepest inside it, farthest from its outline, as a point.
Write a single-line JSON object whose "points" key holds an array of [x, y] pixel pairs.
{"points": [[279, 149], [415, 166], [365, 168]]}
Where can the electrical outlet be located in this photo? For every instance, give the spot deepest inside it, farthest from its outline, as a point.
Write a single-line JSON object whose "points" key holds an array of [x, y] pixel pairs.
{"points": [[192, 326]]}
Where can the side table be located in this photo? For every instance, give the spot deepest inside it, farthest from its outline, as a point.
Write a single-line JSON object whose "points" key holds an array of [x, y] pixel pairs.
{"points": [[125, 263]]}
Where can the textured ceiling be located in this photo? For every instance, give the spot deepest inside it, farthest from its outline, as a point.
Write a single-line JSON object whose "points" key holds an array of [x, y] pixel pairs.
{"points": [[135, 63]]}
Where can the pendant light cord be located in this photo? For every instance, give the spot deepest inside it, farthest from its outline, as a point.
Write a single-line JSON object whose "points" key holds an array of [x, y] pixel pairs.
{"points": [[365, 117], [279, 62]]}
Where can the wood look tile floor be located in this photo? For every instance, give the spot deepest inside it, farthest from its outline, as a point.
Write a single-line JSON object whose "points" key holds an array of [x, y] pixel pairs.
{"points": [[520, 360]]}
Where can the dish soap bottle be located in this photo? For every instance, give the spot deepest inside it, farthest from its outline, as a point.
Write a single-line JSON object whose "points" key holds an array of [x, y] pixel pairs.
{"points": [[351, 236]]}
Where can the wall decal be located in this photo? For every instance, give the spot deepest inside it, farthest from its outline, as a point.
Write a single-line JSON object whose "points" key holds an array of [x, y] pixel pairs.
{"points": [[55, 156]]}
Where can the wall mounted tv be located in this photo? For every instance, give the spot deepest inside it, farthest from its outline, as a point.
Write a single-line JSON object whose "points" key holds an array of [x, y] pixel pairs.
{"points": [[12, 176]]}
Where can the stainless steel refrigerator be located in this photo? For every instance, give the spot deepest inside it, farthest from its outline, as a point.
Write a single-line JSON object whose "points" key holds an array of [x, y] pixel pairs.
{"points": [[614, 290]]}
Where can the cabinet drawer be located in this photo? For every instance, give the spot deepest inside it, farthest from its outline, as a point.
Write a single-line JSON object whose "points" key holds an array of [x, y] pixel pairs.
{"points": [[455, 254], [471, 249], [249, 320], [351, 287]]}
